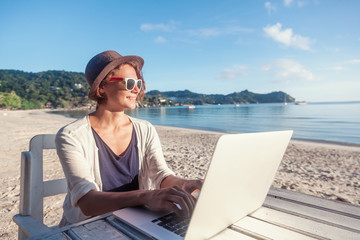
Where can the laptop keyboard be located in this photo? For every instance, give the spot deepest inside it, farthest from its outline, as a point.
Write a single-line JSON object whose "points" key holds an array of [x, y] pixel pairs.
{"points": [[173, 223]]}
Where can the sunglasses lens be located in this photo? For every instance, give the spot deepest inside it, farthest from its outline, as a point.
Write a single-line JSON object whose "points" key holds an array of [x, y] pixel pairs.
{"points": [[130, 84], [139, 84]]}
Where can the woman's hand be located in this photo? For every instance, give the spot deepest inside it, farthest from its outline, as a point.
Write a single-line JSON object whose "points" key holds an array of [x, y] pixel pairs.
{"points": [[179, 189], [186, 184], [191, 185], [166, 198]]}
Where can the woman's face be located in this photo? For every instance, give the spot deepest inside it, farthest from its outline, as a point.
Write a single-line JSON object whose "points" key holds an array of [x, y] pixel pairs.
{"points": [[118, 98]]}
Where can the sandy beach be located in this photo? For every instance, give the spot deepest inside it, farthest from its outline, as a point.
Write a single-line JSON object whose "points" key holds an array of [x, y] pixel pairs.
{"points": [[326, 170]]}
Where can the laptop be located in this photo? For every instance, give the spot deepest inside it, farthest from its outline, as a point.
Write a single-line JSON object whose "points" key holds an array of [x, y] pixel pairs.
{"points": [[238, 179]]}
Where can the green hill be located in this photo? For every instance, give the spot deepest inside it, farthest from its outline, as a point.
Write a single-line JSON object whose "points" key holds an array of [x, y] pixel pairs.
{"points": [[37, 90], [188, 97], [27, 90]]}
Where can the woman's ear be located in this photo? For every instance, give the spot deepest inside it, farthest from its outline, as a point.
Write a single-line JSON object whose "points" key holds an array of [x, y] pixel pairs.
{"points": [[101, 89]]}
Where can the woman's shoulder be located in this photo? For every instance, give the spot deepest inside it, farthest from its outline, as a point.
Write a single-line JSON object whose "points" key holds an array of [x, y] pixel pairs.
{"points": [[140, 122], [143, 127], [79, 125]]}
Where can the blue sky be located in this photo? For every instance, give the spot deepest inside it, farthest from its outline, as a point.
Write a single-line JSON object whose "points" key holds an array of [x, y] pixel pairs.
{"points": [[307, 48]]}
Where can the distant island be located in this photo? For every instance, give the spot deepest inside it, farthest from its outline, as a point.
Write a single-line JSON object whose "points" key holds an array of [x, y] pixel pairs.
{"points": [[63, 89], [187, 97]]}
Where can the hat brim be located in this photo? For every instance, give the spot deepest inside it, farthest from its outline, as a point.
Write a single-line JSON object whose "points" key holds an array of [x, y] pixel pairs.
{"points": [[111, 66]]}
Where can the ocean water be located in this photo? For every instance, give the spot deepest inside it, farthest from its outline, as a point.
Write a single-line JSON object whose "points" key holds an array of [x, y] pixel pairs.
{"points": [[335, 122]]}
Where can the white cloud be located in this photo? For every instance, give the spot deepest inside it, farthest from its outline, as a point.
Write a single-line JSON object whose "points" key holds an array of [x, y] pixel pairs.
{"points": [[172, 26], [338, 68], [185, 40], [345, 65], [214, 32], [299, 3], [287, 37], [205, 32], [287, 70], [166, 27], [288, 3], [234, 72], [270, 8], [236, 30], [353, 61], [160, 39], [336, 50]]}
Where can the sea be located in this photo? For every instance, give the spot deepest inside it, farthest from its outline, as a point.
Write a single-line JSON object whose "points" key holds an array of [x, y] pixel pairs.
{"points": [[319, 121]]}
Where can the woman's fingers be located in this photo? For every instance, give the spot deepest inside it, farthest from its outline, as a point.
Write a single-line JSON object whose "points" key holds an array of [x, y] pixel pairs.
{"points": [[167, 198], [172, 207], [184, 200], [192, 185]]}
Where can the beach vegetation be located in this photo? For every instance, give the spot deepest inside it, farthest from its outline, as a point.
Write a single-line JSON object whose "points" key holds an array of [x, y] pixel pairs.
{"points": [[10, 100]]}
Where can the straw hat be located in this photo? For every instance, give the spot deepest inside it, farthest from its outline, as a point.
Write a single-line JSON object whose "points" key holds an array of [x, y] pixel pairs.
{"points": [[100, 65]]}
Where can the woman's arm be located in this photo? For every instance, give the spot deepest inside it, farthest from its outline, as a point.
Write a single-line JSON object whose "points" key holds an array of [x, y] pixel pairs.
{"points": [[96, 203]]}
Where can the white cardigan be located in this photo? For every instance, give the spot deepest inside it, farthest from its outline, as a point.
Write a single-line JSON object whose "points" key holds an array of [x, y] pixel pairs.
{"points": [[78, 154]]}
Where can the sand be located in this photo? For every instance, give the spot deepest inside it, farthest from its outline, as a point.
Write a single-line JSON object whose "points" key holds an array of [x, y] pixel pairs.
{"points": [[326, 170]]}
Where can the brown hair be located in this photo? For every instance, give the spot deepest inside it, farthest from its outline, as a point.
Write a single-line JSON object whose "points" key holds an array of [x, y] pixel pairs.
{"points": [[101, 99]]}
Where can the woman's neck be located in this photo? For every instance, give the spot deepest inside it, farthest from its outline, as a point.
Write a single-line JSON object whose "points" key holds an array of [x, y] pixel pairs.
{"points": [[103, 118]]}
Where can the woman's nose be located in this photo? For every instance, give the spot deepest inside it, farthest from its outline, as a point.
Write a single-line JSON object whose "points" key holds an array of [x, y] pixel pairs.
{"points": [[136, 89]]}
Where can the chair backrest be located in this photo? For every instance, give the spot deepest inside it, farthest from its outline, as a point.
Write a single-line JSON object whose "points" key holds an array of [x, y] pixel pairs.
{"points": [[32, 187]]}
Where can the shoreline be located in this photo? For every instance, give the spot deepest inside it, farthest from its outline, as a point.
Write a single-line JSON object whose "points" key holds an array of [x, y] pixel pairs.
{"points": [[86, 108], [215, 131], [299, 140], [326, 170]]}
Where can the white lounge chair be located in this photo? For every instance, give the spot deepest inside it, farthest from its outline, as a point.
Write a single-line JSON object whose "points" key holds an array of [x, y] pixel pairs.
{"points": [[33, 189]]}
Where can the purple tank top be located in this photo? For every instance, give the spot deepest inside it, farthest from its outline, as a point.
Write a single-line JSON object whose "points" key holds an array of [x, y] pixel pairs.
{"points": [[118, 173]]}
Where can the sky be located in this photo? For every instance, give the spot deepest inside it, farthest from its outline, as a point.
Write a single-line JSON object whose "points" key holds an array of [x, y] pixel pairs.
{"points": [[306, 48]]}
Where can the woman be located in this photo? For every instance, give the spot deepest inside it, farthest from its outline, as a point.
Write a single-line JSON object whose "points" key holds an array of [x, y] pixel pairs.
{"points": [[111, 160]]}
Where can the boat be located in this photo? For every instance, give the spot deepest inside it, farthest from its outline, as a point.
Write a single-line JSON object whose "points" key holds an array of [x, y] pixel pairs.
{"points": [[191, 106], [300, 102]]}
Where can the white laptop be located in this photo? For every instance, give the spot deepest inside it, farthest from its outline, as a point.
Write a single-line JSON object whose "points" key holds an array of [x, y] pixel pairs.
{"points": [[238, 179]]}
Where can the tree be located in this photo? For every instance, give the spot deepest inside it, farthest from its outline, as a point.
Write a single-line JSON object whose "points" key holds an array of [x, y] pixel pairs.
{"points": [[10, 100]]}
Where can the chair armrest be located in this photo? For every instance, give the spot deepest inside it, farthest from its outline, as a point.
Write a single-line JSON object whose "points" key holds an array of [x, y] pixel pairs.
{"points": [[30, 226]]}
